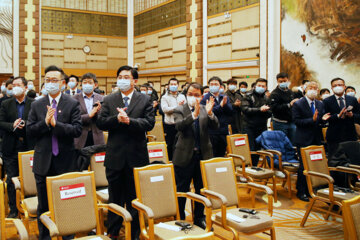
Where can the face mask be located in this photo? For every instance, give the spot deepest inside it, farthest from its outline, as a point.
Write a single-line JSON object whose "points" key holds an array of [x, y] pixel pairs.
{"points": [[191, 100], [30, 87], [149, 92], [284, 85], [214, 89], [44, 92], [311, 94], [338, 90], [221, 90], [72, 84], [63, 88], [143, 92], [87, 88], [232, 87], [3, 88], [52, 88], [325, 96], [18, 91], [243, 90], [9, 92], [351, 94], [259, 90], [173, 88], [123, 84]]}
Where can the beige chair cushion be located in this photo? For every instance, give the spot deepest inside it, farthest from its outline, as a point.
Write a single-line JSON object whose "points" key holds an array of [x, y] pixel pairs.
{"points": [[249, 225], [291, 168], [103, 197], [355, 210], [28, 176], [338, 197], [320, 166], [99, 172], [94, 237], [31, 205], [266, 173], [242, 150], [162, 233], [161, 147]]}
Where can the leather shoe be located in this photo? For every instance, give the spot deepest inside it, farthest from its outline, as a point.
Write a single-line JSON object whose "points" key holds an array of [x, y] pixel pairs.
{"points": [[12, 215], [303, 197], [200, 223]]}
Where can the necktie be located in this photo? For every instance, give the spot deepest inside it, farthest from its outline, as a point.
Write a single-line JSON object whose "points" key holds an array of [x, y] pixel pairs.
{"points": [[312, 107], [196, 127], [126, 103], [342, 104], [73, 92], [54, 140]]}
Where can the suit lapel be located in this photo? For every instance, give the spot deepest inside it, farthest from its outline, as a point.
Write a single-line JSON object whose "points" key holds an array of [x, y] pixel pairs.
{"points": [[307, 106], [27, 108], [82, 102], [134, 100], [335, 102], [13, 106]]}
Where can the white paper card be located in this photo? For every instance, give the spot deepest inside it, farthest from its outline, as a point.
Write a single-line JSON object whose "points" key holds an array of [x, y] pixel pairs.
{"points": [[156, 153], [250, 170], [31, 161], [105, 191], [169, 227], [240, 142], [234, 218], [72, 191], [316, 156], [96, 238], [337, 193], [99, 157], [221, 169], [157, 179]]}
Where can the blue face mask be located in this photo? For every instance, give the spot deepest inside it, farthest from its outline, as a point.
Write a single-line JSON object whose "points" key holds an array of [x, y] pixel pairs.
{"points": [[52, 88], [123, 84], [72, 84], [63, 88], [243, 90], [173, 88], [284, 85], [232, 87], [9, 92], [143, 92], [30, 87], [3, 88], [352, 94], [149, 92], [44, 92], [221, 91], [259, 90], [87, 88], [214, 89]]}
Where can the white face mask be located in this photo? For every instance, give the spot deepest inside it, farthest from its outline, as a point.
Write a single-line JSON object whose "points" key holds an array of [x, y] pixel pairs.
{"points": [[338, 90], [18, 91], [311, 94], [352, 94], [191, 100], [123, 84], [325, 96]]}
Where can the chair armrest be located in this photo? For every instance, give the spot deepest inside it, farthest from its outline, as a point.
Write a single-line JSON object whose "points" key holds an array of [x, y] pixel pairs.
{"points": [[119, 211], [198, 198], [49, 224], [268, 191], [143, 208], [320, 175], [267, 154], [242, 159], [345, 170], [16, 182], [151, 137], [354, 166], [275, 152], [212, 194], [23, 234]]}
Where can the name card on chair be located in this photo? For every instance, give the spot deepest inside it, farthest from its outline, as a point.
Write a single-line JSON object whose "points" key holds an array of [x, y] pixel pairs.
{"points": [[156, 153], [99, 157], [221, 169], [157, 179], [72, 191], [316, 156], [240, 142], [31, 161]]}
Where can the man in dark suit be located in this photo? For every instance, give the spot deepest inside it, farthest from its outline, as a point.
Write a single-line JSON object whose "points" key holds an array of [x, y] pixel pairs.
{"points": [[342, 111], [192, 122], [90, 105], [13, 116], [127, 115], [73, 84], [54, 121], [307, 113]]}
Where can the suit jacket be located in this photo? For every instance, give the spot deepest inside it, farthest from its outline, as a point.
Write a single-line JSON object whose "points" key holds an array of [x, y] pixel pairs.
{"points": [[185, 144], [341, 130], [308, 132], [77, 91], [126, 143], [89, 124], [8, 115], [68, 126], [347, 153]]}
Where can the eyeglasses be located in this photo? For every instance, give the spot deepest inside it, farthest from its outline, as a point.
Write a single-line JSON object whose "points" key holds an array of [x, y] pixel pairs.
{"points": [[52, 80]]}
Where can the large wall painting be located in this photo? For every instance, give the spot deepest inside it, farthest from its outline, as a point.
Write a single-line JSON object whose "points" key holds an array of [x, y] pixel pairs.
{"points": [[6, 36]]}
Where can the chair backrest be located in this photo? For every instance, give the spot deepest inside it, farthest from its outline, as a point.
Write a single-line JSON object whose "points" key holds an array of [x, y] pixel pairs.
{"points": [[158, 152], [72, 202], [239, 144], [218, 175], [2, 211], [156, 188], [351, 217], [106, 136], [97, 166], [27, 178], [314, 159], [158, 131]]}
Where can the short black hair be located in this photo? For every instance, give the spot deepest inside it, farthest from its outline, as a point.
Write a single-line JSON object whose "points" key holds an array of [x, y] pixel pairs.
{"points": [[53, 68], [173, 79], [215, 78], [231, 81], [205, 87], [24, 81], [9, 81], [76, 77], [253, 84], [322, 91], [304, 81], [89, 75], [282, 75], [196, 86], [243, 83], [133, 71], [350, 87], [336, 79], [261, 80], [144, 85], [31, 94]]}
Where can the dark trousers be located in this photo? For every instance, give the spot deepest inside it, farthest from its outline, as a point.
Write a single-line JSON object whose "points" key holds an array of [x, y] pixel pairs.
{"points": [[121, 192], [218, 142], [340, 178], [170, 138], [43, 199], [253, 132], [301, 184], [89, 139], [11, 165], [183, 176]]}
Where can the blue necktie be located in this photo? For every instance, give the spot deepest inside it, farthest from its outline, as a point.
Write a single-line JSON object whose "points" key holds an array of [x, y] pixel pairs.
{"points": [[342, 104], [126, 103], [312, 107]]}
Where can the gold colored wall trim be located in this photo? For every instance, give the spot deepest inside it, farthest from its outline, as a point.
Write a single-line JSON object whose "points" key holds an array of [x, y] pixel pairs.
{"points": [[80, 72], [160, 30], [171, 66], [149, 9], [226, 68], [84, 35], [83, 11], [235, 10], [30, 36], [163, 74], [235, 60]]}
